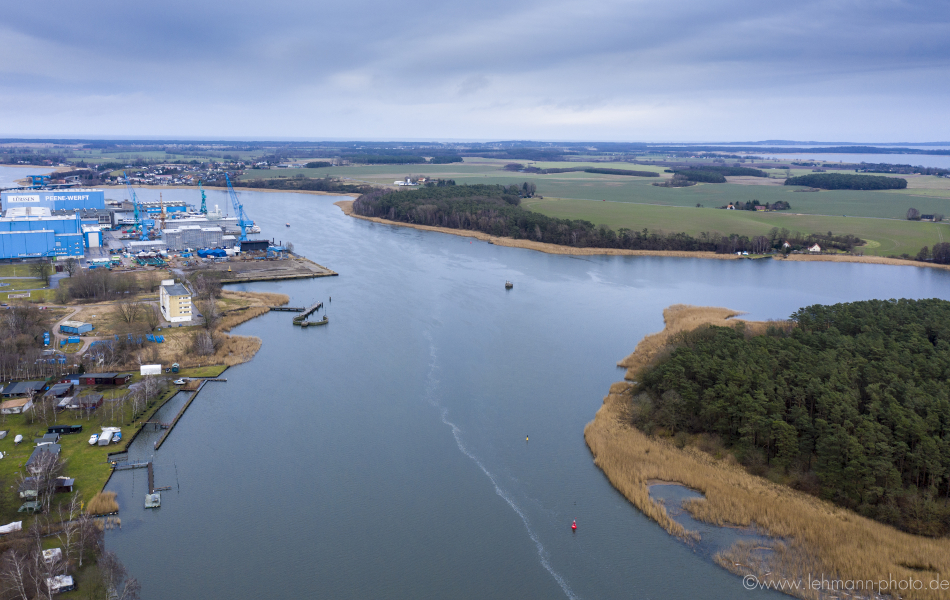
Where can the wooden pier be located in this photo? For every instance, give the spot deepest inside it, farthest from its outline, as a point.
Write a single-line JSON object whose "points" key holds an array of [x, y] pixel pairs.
{"points": [[288, 308], [151, 478], [299, 319], [174, 422]]}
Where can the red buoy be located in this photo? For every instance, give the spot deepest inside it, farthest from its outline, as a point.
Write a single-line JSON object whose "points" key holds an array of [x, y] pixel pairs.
{"points": [[574, 525]]}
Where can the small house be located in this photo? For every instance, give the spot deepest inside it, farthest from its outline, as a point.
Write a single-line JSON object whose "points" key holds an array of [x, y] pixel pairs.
{"points": [[16, 406], [815, 248], [63, 484], [73, 379], [74, 327], [20, 389], [29, 488], [730, 206], [87, 402], [104, 379], [60, 390], [41, 454], [60, 583], [48, 438], [64, 429], [52, 556], [760, 207]]}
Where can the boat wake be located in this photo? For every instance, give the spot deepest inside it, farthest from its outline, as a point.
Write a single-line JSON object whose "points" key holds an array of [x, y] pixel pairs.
{"points": [[432, 384]]}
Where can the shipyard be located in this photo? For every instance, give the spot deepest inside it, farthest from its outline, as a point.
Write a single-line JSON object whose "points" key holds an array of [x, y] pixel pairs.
{"points": [[115, 229]]}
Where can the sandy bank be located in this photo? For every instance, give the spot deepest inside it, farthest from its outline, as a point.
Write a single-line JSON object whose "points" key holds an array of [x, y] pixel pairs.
{"points": [[821, 539], [347, 207]]}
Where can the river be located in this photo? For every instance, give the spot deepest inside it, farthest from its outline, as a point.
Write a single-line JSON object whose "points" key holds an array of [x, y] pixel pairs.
{"points": [[384, 455]]}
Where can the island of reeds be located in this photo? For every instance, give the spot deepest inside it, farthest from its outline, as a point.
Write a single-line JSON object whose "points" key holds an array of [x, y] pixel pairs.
{"points": [[829, 432]]}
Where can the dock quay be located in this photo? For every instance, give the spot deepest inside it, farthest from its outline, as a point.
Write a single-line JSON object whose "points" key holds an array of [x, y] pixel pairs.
{"points": [[243, 271], [127, 466], [174, 421], [288, 308]]}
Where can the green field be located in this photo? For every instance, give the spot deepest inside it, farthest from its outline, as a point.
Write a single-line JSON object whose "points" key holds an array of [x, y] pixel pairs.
{"points": [[928, 194], [885, 237]]}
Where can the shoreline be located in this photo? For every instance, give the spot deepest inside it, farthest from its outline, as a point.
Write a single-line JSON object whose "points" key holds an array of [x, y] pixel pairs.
{"points": [[812, 536], [347, 207]]}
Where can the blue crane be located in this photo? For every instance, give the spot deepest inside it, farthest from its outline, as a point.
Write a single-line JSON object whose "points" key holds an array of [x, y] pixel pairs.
{"points": [[243, 221], [135, 203], [204, 201], [38, 180]]}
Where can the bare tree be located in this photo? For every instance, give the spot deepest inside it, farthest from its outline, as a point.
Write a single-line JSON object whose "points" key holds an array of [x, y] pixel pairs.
{"points": [[203, 344], [71, 265], [15, 568], [913, 214], [42, 270], [128, 309], [117, 578], [209, 310], [152, 318]]}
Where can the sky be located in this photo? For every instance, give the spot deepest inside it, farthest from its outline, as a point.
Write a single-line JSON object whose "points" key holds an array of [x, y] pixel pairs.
{"points": [[590, 70]]}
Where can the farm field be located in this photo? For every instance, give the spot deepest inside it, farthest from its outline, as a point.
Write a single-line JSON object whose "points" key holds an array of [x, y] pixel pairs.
{"points": [[885, 237], [927, 194]]}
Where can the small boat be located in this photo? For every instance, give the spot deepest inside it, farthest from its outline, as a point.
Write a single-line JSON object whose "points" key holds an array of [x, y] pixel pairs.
{"points": [[93, 439], [509, 285], [116, 437], [18, 439], [287, 224]]}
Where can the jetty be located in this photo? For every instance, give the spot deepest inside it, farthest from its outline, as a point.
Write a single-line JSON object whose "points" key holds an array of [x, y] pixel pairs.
{"points": [[174, 421], [300, 319], [288, 308]]}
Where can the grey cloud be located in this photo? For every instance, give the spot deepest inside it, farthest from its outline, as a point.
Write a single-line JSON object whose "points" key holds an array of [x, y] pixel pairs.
{"points": [[479, 68]]}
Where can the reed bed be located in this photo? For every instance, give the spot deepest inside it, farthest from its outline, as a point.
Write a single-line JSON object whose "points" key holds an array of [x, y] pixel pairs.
{"points": [[103, 503], [818, 539], [235, 318]]}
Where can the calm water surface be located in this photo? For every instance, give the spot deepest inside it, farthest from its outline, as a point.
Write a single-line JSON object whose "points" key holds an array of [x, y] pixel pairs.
{"points": [[384, 455]]}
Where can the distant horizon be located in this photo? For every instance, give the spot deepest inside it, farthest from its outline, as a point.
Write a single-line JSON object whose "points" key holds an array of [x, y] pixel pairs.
{"points": [[53, 139]]}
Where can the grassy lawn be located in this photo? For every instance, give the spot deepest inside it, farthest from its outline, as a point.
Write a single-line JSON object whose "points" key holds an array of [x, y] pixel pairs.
{"points": [[885, 237], [87, 464], [209, 371]]}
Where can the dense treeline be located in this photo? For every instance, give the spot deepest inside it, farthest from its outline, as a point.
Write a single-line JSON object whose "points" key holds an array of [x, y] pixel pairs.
{"points": [[494, 209], [522, 168], [848, 401], [385, 159], [846, 181], [727, 171], [445, 160], [621, 172], [702, 176], [778, 205], [325, 184], [318, 164]]}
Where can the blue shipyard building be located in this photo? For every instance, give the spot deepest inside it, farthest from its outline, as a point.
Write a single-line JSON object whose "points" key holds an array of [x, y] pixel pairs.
{"points": [[29, 230]]}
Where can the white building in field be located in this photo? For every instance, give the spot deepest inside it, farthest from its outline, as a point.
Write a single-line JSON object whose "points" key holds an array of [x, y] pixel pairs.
{"points": [[175, 301]]}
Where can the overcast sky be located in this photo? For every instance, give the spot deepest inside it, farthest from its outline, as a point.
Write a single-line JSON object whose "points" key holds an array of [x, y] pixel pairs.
{"points": [[613, 70]]}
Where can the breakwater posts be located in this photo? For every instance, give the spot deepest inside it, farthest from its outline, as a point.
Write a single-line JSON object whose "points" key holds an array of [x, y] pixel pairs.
{"points": [[288, 308], [303, 317]]}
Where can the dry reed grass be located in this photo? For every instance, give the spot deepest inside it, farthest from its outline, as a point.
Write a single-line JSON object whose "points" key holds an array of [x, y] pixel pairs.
{"points": [[871, 260], [819, 539], [103, 503]]}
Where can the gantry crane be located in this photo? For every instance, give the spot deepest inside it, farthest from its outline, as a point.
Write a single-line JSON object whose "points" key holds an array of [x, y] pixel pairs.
{"points": [[243, 221], [135, 203]]}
